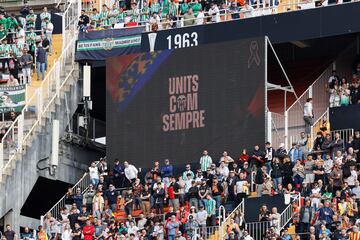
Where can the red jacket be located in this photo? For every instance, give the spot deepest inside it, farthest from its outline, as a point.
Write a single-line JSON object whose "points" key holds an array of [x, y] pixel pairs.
{"points": [[88, 232]]}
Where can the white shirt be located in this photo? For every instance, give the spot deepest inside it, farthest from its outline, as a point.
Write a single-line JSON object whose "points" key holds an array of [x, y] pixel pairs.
{"points": [[188, 185], [201, 217], [239, 186], [224, 171], [351, 180], [215, 14], [356, 191], [133, 230], [94, 173], [308, 109], [200, 18], [131, 172], [20, 35], [49, 28], [328, 166], [247, 11], [66, 235]]}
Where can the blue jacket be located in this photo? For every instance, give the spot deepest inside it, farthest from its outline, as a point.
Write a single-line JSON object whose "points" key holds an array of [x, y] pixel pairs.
{"points": [[295, 154], [167, 171]]}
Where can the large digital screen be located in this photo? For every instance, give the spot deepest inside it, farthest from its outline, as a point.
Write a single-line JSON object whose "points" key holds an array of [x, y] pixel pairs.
{"points": [[176, 103]]}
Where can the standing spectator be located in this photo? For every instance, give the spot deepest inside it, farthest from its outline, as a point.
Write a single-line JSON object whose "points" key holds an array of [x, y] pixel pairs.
{"points": [[145, 200], [188, 171], [159, 196], [45, 14], [355, 93], [98, 205], [48, 28], [240, 189], [20, 35], [137, 190], [131, 173], [214, 12], [296, 152], [173, 193], [226, 159], [84, 21], [88, 231], [189, 17], [203, 192], [88, 197], [259, 180], [26, 62], [326, 213], [336, 178], [216, 191], [308, 115], [69, 198], [40, 61], [338, 143], [167, 172], [201, 217], [46, 45], [172, 228], [257, 158], [30, 19], [276, 173], [269, 155], [78, 198], [9, 233], [111, 197], [200, 18], [308, 170], [231, 182], [12, 25], [298, 174], [118, 172], [307, 214], [94, 174], [210, 207], [193, 195], [128, 205]]}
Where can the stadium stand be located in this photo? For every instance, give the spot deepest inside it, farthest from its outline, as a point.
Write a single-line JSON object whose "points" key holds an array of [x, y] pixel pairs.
{"points": [[317, 176]]}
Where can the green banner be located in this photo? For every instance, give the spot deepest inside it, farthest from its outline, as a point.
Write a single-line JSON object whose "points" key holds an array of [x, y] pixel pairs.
{"points": [[12, 98], [108, 43]]}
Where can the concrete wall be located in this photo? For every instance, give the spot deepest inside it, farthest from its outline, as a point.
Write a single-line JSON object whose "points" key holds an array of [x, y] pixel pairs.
{"points": [[17, 187]]}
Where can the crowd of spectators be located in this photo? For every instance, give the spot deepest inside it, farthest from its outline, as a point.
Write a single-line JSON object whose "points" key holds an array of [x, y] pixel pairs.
{"points": [[343, 93], [163, 204], [162, 14], [166, 14], [23, 47]]}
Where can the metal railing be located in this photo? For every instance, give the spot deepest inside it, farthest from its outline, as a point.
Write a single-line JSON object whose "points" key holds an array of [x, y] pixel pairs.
{"points": [[83, 184], [293, 117], [226, 221], [258, 229], [20, 133], [344, 134], [208, 232], [259, 9], [70, 19]]}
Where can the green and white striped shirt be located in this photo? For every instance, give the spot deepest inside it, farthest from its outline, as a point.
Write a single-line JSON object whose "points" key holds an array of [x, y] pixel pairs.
{"points": [[205, 162]]}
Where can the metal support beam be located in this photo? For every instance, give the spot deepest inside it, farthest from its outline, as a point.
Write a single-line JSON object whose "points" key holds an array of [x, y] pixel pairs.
{"points": [[282, 68], [272, 87]]}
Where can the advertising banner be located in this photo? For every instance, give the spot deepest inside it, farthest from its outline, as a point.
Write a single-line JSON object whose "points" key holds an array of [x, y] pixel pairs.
{"points": [[12, 98], [99, 45]]}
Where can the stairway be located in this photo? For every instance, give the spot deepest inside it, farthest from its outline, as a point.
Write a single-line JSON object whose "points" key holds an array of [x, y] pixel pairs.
{"points": [[57, 48], [30, 136]]}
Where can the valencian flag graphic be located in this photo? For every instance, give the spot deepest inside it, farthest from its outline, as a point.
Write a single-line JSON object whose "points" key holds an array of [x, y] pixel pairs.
{"points": [[175, 103]]}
